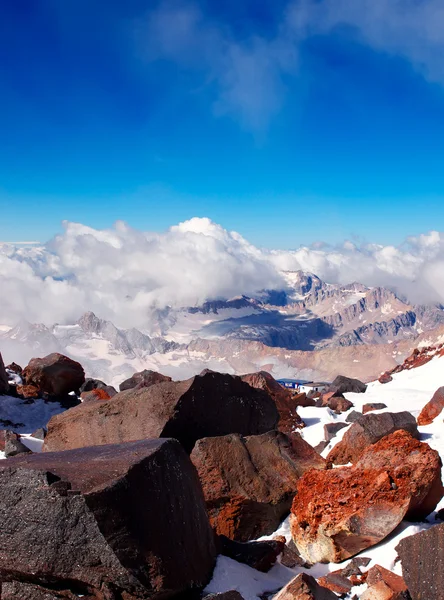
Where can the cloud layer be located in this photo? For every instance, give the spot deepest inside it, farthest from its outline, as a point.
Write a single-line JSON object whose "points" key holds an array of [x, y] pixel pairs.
{"points": [[249, 73], [123, 274]]}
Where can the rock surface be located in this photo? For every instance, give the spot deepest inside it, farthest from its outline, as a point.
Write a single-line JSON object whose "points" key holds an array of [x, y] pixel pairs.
{"points": [[249, 483], [4, 385], [55, 374], [368, 430], [433, 408], [143, 379], [289, 420], [304, 587], [206, 405], [422, 559], [122, 521], [411, 464]]}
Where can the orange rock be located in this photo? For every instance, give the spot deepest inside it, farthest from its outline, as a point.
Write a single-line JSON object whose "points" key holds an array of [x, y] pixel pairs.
{"points": [[28, 391], [384, 585], [97, 394], [433, 408]]}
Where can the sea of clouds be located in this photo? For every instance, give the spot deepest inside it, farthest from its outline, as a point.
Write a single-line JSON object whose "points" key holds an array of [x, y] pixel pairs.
{"points": [[124, 275]]}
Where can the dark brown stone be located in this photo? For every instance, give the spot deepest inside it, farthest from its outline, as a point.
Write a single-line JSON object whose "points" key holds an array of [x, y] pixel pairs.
{"points": [[384, 585], [336, 582], [206, 405], [249, 483], [331, 429], [385, 378], [128, 519], [13, 445], [433, 408], [16, 590], [258, 555], [143, 379], [337, 403], [373, 406], [28, 391], [368, 430], [343, 385], [304, 587], [55, 374], [422, 559]]}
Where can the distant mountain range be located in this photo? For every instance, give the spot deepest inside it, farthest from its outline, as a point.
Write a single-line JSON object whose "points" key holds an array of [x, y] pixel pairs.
{"points": [[312, 329]]}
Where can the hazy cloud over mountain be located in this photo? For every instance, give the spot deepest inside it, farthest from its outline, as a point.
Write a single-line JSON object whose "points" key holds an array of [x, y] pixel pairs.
{"points": [[122, 274]]}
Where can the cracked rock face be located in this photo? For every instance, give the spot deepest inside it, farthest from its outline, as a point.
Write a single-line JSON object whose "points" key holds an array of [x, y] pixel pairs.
{"points": [[105, 521]]}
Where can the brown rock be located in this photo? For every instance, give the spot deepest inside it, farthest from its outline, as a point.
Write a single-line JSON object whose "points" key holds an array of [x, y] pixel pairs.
{"points": [[94, 395], [143, 379], [257, 555], [16, 590], [249, 483], [411, 464], [331, 429], [368, 430], [122, 521], [13, 445], [28, 391], [342, 385], [371, 406], [55, 374], [4, 385], [336, 582], [340, 512], [422, 559], [384, 585], [385, 378], [289, 420], [433, 408], [304, 587], [206, 405], [15, 368], [337, 403], [303, 400], [290, 556]]}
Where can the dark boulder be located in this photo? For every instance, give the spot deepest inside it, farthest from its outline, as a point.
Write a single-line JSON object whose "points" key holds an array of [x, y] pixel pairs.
{"points": [[353, 416], [249, 483], [368, 430], [4, 385], [120, 521], [258, 555], [143, 379], [13, 445], [289, 420], [212, 404], [331, 429], [343, 385], [55, 374], [422, 559]]}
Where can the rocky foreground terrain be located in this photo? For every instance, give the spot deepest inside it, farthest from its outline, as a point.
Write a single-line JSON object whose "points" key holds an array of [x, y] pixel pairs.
{"points": [[220, 485]]}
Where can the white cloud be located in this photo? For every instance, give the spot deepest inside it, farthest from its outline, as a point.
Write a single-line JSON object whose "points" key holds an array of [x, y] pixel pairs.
{"points": [[123, 274]]}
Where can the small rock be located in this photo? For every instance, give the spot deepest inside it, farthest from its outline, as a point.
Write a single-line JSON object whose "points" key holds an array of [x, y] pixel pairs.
{"points": [[385, 378], [304, 587], [15, 368], [331, 429], [433, 408], [384, 585], [55, 374], [321, 447], [258, 555], [336, 582], [337, 403], [28, 391], [98, 394], [290, 556], [39, 434], [143, 379], [343, 385], [13, 445], [353, 416], [373, 406]]}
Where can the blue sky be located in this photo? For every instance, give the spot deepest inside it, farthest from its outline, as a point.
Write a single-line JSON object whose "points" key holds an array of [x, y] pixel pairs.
{"points": [[289, 122]]}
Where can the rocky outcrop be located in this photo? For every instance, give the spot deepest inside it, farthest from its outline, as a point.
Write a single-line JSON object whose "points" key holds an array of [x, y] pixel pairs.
{"points": [[342, 385], [4, 385], [289, 420], [122, 521], [211, 404], [433, 408], [368, 430], [55, 374], [422, 559], [411, 464], [249, 483], [145, 378], [304, 587]]}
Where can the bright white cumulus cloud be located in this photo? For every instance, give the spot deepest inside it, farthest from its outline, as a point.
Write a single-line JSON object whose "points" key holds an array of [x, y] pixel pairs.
{"points": [[123, 274]]}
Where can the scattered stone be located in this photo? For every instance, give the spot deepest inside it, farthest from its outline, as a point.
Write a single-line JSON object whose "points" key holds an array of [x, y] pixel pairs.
{"points": [[143, 379], [98, 394], [304, 587], [336, 582], [384, 585], [353, 416], [412, 464], [368, 430], [289, 420], [121, 521], [39, 434], [207, 405], [4, 385], [343, 385], [28, 391], [258, 555], [433, 408], [331, 429], [373, 406], [337, 403], [13, 445], [385, 378], [55, 374], [249, 483], [340, 512]]}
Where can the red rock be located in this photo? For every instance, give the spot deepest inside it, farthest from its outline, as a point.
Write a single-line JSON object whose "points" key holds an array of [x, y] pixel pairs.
{"points": [[433, 408], [93, 395], [286, 403], [337, 403], [385, 378], [371, 406], [206, 405], [340, 512], [123, 521], [28, 391], [336, 582], [368, 430], [55, 374], [384, 585], [411, 464], [304, 587], [249, 483]]}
